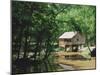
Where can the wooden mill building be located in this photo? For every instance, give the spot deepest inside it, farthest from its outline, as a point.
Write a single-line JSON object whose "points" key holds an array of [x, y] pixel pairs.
{"points": [[71, 40]]}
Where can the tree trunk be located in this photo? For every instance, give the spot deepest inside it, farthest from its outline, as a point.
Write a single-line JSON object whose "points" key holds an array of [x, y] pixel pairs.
{"points": [[20, 39], [88, 45], [26, 43]]}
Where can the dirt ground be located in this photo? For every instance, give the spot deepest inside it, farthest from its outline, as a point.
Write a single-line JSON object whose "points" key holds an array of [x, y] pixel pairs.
{"points": [[76, 64]]}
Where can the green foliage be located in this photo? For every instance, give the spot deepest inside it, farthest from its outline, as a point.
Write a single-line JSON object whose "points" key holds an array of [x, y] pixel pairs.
{"points": [[37, 26], [79, 18]]}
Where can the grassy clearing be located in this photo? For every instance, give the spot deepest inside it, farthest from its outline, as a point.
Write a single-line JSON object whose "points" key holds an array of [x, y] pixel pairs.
{"points": [[77, 64], [86, 64], [86, 54]]}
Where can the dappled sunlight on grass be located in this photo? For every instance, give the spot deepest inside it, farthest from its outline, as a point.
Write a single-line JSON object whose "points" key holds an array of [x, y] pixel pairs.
{"points": [[85, 61], [86, 54]]}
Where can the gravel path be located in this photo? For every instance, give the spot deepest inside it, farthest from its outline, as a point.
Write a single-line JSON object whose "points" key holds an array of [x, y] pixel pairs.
{"points": [[66, 67]]}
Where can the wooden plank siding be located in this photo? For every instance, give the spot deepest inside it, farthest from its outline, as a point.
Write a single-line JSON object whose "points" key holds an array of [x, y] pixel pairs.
{"points": [[77, 39]]}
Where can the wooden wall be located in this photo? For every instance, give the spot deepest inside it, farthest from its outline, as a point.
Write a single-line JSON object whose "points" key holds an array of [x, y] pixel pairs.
{"points": [[78, 39]]}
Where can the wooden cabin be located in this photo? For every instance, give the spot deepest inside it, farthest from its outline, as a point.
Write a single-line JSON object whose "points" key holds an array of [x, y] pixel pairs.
{"points": [[72, 40]]}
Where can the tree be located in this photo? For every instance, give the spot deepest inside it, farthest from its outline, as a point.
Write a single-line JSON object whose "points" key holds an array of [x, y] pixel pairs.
{"points": [[37, 26]]}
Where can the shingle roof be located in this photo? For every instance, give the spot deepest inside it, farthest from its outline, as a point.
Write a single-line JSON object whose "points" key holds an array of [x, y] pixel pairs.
{"points": [[68, 35]]}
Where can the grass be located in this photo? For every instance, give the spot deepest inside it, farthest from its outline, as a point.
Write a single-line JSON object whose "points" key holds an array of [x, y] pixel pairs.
{"points": [[85, 64], [86, 54], [77, 64]]}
